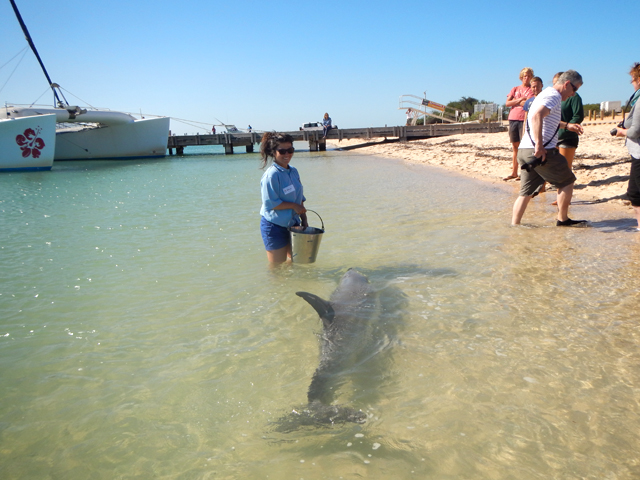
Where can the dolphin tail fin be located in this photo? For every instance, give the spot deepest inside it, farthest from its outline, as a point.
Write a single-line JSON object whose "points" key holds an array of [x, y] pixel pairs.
{"points": [[324, 308]]}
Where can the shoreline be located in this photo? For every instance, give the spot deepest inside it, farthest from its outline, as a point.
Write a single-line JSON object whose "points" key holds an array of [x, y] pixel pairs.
{"points": [[601, 165]]}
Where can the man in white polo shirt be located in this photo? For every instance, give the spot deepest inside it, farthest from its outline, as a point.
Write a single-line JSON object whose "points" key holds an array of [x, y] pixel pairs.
{"points": [[538, 157]]}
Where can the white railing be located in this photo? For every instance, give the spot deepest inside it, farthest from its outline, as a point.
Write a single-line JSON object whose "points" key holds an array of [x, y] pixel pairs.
{"points": [[421, 108]]}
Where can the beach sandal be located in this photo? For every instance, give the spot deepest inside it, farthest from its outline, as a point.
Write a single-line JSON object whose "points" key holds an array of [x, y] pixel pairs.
{"points": [[570, 223], [511, 177]]}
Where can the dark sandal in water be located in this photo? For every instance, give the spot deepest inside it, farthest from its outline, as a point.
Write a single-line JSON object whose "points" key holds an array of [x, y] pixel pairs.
{"points": [[570, 223]]}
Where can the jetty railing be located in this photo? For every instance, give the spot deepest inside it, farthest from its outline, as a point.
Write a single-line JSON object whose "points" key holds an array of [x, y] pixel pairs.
{"points": [[317, 142]]}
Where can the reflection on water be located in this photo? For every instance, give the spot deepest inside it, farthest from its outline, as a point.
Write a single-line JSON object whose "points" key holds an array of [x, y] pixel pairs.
{"points": [[143, 335]]}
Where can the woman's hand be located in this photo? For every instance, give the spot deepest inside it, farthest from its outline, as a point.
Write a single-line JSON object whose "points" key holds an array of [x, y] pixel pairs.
{"points": [[299, 209], [622, 132], [575, 128]]}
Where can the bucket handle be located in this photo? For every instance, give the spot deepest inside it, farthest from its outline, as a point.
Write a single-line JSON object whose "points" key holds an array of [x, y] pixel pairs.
{"points": [[318, 217]]}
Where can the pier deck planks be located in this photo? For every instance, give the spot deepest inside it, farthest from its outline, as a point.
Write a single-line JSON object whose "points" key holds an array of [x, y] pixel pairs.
{"points": [[229, 140]]}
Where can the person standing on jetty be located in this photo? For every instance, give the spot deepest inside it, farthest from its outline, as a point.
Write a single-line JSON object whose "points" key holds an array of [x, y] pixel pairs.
{"points": [[631, 131], [516, 100], [282, 196], [538, 156]]}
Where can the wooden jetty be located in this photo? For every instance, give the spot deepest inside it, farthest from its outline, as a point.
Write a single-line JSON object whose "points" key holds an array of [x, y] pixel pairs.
{"points": [[317, 142]]}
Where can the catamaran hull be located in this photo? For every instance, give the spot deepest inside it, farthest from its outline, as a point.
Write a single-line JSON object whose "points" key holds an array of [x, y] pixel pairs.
{"points": [[27, 143], [146, 138]]}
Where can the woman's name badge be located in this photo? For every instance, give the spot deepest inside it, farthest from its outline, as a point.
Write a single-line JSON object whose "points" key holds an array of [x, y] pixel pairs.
{"points": [[289, 189]]}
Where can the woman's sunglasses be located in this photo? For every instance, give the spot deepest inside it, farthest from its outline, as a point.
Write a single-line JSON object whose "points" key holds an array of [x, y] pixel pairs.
{"points": [[284, 151]]}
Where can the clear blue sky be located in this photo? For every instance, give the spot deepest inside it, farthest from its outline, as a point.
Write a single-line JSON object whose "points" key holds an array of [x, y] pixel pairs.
{"points": [[278, 64]]}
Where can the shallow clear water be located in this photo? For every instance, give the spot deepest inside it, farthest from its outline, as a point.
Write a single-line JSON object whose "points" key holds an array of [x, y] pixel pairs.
{"points": [[143, 335]]}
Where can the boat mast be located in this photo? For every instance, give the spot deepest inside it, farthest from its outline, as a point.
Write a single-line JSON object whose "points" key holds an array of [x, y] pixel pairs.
{"points": [[53, 86]]}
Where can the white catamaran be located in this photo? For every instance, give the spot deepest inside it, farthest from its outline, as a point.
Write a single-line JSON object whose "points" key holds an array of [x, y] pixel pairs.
{"points": [[27, 143], [89, 133]]}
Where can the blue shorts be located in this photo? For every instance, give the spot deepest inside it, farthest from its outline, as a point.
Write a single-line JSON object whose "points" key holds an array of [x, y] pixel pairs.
{"points": [[274, 236]]}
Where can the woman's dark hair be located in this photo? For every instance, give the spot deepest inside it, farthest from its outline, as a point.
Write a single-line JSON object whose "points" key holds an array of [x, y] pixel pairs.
{"points": [[269, 144]]}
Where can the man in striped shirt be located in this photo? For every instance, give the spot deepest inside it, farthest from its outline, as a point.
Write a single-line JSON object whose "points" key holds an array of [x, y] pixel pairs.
{"points": [[538, 156]]}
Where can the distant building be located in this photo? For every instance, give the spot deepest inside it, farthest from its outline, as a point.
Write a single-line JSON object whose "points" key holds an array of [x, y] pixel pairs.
{"points": [[611, 106], [488, 108]]}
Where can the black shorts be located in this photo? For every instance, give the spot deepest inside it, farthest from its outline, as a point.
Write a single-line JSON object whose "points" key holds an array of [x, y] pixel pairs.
{"points": [[515, 131], [571, 142], [633, 190]]}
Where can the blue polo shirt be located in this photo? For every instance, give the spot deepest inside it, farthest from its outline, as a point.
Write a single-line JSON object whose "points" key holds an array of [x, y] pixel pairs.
{"points": [[280, 185], [527, 104]]}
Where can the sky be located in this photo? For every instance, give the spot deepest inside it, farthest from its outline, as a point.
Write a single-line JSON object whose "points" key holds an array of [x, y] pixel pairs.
{"points": [[278, 64]]}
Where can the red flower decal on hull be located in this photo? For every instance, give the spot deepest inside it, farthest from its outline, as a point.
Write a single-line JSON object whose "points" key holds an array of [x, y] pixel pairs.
{"points": [[30, 143]]}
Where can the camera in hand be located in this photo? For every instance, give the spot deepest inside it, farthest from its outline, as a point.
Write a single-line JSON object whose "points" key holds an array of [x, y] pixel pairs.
{"points": [[614, 131], [530, 165]]}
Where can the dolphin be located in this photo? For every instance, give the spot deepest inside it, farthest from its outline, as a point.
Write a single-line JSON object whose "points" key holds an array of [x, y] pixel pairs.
{"points": [[346, 319]]}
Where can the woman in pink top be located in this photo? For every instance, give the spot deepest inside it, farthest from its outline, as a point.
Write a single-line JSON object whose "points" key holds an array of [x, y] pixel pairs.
{"points": [[516, 99]]}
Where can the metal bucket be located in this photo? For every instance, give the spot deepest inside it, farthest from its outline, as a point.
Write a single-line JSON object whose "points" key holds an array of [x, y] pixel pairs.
{"points": [[305, 242]]}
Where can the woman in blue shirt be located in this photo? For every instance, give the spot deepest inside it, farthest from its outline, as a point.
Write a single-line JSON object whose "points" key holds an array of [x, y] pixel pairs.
{"points": [[282, 196]]}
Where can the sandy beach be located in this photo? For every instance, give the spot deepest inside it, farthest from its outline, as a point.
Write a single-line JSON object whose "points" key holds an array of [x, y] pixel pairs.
{"points": [[601, 164]]}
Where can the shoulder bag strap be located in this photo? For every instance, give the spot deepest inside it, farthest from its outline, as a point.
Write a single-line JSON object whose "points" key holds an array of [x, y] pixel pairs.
{"points": [[549, 141]]}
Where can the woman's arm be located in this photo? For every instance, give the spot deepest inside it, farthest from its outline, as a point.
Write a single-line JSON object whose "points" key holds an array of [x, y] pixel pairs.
{"points": [[634, 130], [299, 209], [515, 102], [270, 189], [578, 110]]}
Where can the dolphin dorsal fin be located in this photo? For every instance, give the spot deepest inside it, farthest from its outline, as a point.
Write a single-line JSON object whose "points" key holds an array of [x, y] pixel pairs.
{"points": [[324, 308]]}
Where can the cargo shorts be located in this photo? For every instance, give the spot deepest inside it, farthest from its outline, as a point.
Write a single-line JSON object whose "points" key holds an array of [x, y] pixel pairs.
{"points": [[556, 171]]}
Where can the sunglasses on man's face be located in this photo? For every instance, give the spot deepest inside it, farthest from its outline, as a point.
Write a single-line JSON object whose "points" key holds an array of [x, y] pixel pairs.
{"points": [[284, 151], [575, 89]]}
